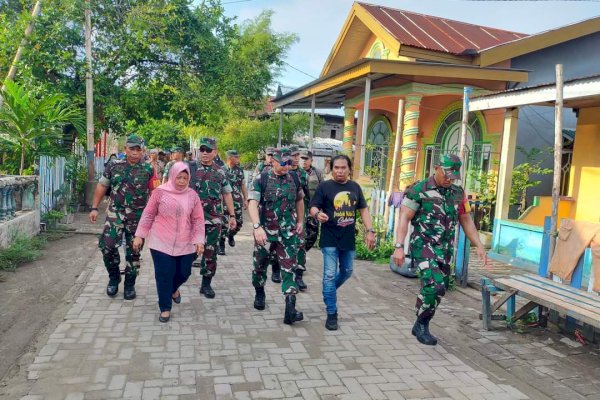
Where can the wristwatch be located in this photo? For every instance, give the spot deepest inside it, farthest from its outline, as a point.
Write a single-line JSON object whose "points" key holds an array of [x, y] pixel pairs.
{"points": [[232, 216], [371, 230], [399, 245], [256, 226]]}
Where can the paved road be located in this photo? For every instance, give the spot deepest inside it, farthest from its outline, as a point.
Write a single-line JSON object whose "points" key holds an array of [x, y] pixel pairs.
{"points": [[225, 349]]}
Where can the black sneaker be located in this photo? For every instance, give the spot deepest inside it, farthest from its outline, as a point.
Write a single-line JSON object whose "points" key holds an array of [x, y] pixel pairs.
{"points": [[290, 314], [331, 324], [231, 241]]}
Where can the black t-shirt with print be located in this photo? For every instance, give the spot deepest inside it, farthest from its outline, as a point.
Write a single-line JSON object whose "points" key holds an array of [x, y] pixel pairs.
{"points": [[340, 202]]}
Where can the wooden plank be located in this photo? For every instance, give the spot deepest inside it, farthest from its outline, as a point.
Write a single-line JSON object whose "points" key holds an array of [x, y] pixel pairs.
{"points": [[507, 295], [575, 303], [562, 286], [541, 298], [521, 312], [567, 291]]}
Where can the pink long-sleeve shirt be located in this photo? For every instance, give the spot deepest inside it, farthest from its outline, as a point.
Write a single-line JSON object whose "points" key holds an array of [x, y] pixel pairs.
{"points": [[172, 224]]}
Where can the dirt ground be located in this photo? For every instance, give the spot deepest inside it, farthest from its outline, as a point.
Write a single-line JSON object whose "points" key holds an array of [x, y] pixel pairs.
{"points": [[36, 297]]}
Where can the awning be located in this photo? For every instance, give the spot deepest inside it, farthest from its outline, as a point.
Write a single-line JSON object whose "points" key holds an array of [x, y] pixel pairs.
{"points": [[330, 91], [577, 93]]}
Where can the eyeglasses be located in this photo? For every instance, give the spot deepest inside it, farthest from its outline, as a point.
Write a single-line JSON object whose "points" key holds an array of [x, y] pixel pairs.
{"points": [[284, 163], [205, 150], [304, 158]]}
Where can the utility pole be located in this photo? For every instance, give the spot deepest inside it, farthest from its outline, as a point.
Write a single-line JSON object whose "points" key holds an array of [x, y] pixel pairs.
{"points": [[558, 106], [463, 131], [37, 8], [89, 104]]}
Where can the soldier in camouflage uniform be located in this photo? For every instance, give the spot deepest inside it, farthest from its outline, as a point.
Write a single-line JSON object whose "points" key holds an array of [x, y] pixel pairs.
{"points": [[214, 189], [176, 155], [303, 178], [434, 205], [235, 175], [129, 181], [276, 208], [315, 176]]}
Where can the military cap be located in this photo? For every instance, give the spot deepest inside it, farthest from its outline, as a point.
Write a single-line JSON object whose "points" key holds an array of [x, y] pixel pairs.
{"points": [[153, 151], [270, 151], [282, 155], [177, 149], [451, 164], [133, 141], [232, 153], [294, 150], [208, 142], [306, 154]]}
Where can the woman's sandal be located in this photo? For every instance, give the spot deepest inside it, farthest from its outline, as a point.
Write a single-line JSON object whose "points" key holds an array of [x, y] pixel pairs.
{"points": [[177, 299], [164, 319]]}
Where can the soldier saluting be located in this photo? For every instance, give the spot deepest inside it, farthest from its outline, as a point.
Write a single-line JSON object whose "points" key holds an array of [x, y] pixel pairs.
{"points": [[214, 189], [277, 224], [129, 181]]}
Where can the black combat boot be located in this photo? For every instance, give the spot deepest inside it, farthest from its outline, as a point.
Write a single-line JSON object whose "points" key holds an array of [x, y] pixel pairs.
{"points": [[114, 278], [221, 247], [276, 274], [291, 315], [129, 287], [421, 331], [231, 241], [299, 281], [259, 298], [205, 289], [331, 323]]}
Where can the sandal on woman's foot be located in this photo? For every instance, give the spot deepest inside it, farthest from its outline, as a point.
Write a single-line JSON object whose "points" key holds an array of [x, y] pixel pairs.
{"points": [[177, 299], [166, 318]]}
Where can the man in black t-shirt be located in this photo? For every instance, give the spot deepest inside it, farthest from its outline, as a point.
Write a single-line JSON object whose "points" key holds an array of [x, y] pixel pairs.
{"points": [[334, 205]]}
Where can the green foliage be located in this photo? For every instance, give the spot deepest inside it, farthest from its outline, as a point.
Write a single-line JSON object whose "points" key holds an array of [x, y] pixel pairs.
{"points": [[175, 60], [384, 247], [484, 186], [160, 133], [250, 136], [52, 216], [33, 126], [522, 176], [76, 176], [21, 250]]}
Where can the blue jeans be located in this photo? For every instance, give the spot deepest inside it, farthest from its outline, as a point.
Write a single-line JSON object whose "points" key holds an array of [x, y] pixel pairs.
{"points": [[333, 277], [170, 273]]}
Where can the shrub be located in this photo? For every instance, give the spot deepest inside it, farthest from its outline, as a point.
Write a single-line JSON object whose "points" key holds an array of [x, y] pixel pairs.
{"points": [[22, 249]]}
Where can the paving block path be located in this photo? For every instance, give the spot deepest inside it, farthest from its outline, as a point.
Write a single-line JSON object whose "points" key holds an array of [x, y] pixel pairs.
{"points": [[223, 348]]}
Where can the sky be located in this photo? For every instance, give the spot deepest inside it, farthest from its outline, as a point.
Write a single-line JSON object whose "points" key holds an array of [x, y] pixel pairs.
{"points": [[319, 22]]}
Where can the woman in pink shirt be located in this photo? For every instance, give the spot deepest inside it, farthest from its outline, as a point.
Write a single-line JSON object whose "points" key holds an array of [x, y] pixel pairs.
{"points": [[173, 224]]}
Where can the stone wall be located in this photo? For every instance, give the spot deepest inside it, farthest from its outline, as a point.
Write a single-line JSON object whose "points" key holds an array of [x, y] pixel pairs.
{"points": [[26, 222]]}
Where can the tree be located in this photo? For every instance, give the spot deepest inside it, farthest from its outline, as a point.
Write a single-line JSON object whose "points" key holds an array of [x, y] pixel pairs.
{"points": [[521, 176], [31, 124]]}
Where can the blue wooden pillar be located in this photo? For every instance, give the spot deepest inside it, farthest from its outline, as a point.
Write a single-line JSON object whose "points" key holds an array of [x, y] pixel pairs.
{"points": [[461, 269], [545, 251], [3, 211]]}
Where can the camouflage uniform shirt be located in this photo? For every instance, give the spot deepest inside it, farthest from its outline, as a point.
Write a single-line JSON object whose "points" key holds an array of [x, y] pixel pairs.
{"points": [[436, 214], [278, 207], [210, 184], [129, 186], [235, 176], [303, 178]]}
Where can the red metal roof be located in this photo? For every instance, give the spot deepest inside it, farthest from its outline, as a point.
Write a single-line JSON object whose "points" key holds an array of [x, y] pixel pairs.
{"points": [[439, 34]]}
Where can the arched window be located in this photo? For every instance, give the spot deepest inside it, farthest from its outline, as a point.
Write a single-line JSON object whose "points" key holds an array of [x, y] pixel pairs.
{"points": [[377, 146]]}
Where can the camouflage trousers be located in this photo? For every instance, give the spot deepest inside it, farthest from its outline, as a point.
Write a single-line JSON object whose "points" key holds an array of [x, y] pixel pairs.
{"points": [[115, 227], [311, 231], [285, 252], [239, 220], [434, 277], [208, 263]]}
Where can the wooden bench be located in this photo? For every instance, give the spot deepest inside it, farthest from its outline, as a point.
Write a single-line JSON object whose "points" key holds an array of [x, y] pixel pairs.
{"points": [[541, 292]]}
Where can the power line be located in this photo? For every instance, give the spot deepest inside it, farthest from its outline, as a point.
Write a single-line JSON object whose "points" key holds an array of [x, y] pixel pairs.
{"points": [[299, 70]]}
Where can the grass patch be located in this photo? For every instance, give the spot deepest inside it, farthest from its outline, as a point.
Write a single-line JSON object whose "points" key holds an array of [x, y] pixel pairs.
{"points": [[22, 249]]}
